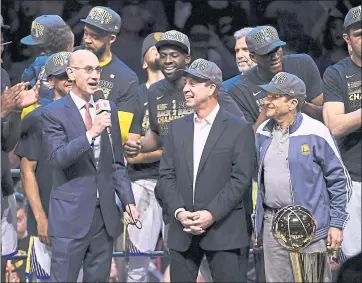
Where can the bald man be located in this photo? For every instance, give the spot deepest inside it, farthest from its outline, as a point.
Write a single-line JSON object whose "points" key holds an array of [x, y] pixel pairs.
{"points": [[83, 216]]}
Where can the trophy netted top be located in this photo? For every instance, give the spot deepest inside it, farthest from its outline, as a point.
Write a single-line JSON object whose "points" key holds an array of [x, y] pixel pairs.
{"points": [[294, 227]]}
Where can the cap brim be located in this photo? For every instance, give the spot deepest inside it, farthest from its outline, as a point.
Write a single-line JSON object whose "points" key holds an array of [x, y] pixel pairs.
{"points": [[5, 26], [172, 42], [266, 49], [29, 40], [91, 23], [270, 88], [58, 73]]}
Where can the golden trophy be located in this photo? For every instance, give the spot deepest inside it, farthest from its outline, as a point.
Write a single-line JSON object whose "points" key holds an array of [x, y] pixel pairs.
{"points": [[294, 228]]}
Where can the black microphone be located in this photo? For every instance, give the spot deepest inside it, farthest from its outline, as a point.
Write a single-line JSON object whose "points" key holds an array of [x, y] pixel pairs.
{"points": [[98, 94]]}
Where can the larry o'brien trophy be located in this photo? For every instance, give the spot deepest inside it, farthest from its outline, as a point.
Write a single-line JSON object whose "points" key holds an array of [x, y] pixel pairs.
{"points": [[294, 228]]}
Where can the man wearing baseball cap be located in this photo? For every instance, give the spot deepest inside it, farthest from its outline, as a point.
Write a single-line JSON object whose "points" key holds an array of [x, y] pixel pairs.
{"points": [[266, 51], [206, 167], [36, 170], [118, 82], [342, 115], [50, 35], [298, 164], [143, 169]]}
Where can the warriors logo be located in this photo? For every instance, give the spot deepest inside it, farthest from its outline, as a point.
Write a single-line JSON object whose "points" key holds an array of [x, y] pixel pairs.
{"points": [[199, 65], [37, 29], [61, 59], [305, 149], [356, 14], [266, 35], [280, 79], [99, 15]]}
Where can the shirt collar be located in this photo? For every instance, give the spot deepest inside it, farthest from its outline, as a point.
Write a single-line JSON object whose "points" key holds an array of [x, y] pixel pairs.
{"points": [[79, 102], [210, 118]]}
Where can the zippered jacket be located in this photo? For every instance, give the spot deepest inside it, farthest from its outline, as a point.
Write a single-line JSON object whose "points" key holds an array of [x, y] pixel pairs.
{"points": [[319, 180]]}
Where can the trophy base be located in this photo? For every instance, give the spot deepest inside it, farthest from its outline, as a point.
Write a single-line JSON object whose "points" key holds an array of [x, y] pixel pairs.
{"points": [[309, 267]]}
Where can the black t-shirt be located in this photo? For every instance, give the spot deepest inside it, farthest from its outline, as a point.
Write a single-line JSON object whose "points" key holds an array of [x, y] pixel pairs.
{"points": [[31, 145], [166, 103], [250, 96], [119, 84], [342, 83], [140, 124]]}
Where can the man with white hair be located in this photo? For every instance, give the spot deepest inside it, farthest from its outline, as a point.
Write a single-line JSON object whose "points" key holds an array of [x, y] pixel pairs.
{"points": [[242, 57]]}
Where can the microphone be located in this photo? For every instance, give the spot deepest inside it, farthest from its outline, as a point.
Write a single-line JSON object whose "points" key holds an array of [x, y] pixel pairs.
{"points": [[98, 94], [103, 105]]}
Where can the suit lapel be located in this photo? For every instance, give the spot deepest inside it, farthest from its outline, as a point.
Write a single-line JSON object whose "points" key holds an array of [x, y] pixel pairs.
{"points": [[188, 144], [218, 127], [74, 115]]}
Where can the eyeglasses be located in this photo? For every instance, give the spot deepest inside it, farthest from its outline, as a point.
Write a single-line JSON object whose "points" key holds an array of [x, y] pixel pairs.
{"points": [[88, 69]]}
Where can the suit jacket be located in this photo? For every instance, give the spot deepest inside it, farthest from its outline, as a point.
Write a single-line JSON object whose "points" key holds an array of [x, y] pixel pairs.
{"points": [[224, 175], [75, 176]]}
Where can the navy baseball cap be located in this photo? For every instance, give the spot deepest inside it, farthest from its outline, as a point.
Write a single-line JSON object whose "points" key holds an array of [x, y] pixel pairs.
{"points": [[39, 28], [206, 70], [174, 37], [104, 18], [57, 64], [287, 84], [353, 16], [263, 39], [149, 41]]}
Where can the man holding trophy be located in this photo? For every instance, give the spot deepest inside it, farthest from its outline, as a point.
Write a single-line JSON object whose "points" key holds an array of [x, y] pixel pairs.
{"points": [[299, 166]]}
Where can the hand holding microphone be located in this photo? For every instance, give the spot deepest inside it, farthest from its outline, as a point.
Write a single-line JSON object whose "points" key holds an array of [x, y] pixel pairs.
{"points": [[103, 118]]}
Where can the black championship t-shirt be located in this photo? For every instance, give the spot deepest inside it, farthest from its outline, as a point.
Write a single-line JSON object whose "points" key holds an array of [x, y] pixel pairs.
{"points": [[32, 145], [250, 96], [139, 126], [342, 83], [119, 84], [166, 103]]}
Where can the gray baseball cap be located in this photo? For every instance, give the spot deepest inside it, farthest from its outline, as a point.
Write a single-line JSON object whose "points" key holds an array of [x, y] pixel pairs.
{"points": [[40, 27], [174, 37], [204, 69], [57, 64], [263, 39], [353, 16], [287, 84], [149, 41], [104, 18]]}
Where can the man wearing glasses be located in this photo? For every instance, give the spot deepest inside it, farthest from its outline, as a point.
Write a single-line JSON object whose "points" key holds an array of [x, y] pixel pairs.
{"points": [[83, 215], [298, 163]]}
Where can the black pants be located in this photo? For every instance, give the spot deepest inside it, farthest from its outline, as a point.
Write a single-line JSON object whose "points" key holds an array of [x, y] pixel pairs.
{"points": [[224, 265]]}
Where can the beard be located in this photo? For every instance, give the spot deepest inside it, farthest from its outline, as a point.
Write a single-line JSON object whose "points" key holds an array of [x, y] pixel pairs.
{"points": [[98, 52], [155, 65]]}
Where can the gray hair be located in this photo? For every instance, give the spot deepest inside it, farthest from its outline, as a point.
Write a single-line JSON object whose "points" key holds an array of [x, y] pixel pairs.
{"points": [[243, 32]]}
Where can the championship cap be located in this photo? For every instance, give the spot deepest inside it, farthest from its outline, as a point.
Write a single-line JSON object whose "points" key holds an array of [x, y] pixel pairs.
{"points": [[57, 64], [2, 23], [149, 41], [174, 37], [40, 27], [286, 84], [206, 70], [104, 18], [263, 39], [353, 16]]}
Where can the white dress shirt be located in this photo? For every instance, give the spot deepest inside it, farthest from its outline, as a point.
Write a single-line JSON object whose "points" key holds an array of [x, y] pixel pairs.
{"points": [[202, 129], [95, 143]]}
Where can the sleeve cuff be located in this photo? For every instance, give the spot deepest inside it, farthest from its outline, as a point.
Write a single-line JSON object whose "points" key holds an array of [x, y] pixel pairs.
{"points": [[179, 210], [89, 138]]}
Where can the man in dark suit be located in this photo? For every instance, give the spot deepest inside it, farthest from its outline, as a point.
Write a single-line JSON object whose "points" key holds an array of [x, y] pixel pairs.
{"points": [[206, 168], [83, 215]]}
